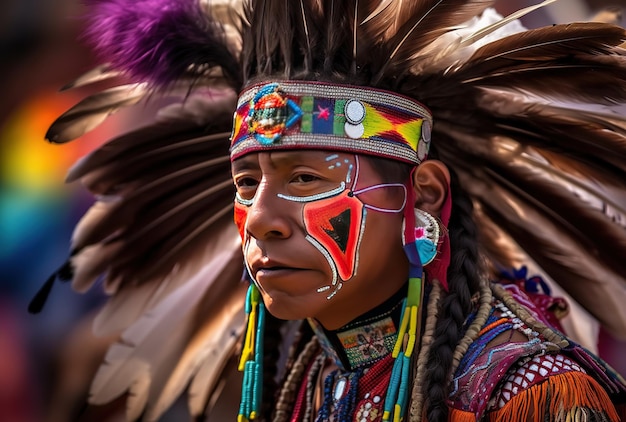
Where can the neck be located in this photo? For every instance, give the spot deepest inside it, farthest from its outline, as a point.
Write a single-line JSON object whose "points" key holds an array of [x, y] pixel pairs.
{"points": [[366, 339]]}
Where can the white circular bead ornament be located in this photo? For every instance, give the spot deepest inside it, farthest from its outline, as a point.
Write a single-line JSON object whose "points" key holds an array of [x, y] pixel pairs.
{"points": [[354, 111], [354, 131], [424, 144]]}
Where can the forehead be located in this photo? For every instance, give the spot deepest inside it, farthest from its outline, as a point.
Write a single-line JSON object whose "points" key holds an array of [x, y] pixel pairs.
{"points": [[285, 159]]}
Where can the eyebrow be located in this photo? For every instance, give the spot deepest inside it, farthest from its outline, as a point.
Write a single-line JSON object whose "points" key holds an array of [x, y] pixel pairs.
{"points": [[245, 163], [280, 158]]}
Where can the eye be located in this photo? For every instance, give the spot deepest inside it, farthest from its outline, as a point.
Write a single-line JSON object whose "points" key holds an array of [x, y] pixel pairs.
{"points": [[246, 186], [246, 182], [304, 178]]}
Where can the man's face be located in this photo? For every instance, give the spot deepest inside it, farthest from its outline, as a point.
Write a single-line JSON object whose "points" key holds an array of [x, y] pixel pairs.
{"points": [[321, 233]]}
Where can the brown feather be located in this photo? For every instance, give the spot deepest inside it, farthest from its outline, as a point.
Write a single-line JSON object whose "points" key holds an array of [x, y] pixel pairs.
{"points": [[98, 74], [491, 29], [132, 299], [220, 320], [142, 349], [568, 262], [544, 44], [559, 186], [93, 110], [426, 21]]}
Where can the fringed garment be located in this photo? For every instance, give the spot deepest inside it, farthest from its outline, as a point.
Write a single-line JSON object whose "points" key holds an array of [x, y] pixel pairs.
{"points": [[519, 367]]}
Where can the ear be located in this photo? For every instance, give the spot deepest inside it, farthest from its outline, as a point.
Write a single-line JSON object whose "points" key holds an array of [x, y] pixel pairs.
{"points": [[431, 182]]}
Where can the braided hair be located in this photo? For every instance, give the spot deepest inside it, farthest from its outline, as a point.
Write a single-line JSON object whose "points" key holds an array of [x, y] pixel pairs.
{"points": [[464, 275], [464, 280]]}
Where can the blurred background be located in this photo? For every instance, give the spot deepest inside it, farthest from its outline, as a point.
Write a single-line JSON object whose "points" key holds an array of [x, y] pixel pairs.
{"points": [[45, 362]]}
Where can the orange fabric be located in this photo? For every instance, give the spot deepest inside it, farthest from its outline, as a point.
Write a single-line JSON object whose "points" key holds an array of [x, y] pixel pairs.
{"points": [[560, 397], [456, 415]]}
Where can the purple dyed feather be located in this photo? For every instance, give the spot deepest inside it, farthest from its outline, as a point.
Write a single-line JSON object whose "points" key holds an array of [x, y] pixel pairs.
{"points": [[160, 41]]}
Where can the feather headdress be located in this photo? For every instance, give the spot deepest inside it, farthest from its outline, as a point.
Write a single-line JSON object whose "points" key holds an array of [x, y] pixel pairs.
{"points": [[532, 121]]}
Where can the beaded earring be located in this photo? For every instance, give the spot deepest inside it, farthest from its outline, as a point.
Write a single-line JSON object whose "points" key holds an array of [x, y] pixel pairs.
{"points": [[426, 236], [251, 362]]}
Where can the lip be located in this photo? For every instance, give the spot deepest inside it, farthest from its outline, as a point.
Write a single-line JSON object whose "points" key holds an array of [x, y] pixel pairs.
{"points": [[270, 267]]}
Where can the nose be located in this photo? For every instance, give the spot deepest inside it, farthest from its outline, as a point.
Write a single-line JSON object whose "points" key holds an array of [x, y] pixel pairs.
{"points": [[268, 216]]}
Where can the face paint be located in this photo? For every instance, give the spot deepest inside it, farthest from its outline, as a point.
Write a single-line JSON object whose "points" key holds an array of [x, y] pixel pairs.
{"points": [[334, 222], [335, 226], [241, 216]]}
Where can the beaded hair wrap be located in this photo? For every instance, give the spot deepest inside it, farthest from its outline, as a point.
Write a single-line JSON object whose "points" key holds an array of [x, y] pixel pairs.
{"points": [[529, 120]]}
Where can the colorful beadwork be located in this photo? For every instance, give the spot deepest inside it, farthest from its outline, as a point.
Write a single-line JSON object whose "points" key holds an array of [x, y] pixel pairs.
{"points": [[426, 236], [313, 115], [492, 373], [270, 113], [536, 370], [251, 362], [368, 343]]}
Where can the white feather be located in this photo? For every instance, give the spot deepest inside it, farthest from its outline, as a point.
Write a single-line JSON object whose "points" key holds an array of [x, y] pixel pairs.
{"points": [[449, 50]]}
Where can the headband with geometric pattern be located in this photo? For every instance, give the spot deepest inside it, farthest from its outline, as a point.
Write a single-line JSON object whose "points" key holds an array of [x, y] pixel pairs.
{"points": [[312, 115]]}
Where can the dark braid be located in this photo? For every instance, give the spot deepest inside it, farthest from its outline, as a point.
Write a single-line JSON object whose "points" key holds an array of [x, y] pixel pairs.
{"points": [[463, 280], [272, 339]]}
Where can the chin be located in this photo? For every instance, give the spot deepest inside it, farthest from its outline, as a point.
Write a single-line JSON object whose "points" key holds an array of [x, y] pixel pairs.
{"points": [[287, 308]]}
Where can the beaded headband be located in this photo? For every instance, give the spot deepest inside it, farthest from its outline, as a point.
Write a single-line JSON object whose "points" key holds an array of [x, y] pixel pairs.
{"points": [[313, 115]]}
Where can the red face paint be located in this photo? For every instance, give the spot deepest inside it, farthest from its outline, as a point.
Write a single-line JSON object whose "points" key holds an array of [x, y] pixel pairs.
{"points": [[241, 215], [337, 224]]}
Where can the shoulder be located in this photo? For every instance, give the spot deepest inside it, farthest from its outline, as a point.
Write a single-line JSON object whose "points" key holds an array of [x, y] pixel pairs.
{"points": [[518, 358], [550, 387]]}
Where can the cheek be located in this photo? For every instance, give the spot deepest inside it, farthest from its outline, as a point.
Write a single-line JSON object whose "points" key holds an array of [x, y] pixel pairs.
{"points": [[241, 216], [336, 223], [382, 239]]}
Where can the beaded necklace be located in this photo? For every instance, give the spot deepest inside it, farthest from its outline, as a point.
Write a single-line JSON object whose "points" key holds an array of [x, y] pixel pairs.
{"points": [[362, 350]]}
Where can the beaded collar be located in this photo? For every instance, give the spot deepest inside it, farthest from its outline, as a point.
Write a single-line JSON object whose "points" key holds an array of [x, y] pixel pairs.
{"points": [[365, 340]]}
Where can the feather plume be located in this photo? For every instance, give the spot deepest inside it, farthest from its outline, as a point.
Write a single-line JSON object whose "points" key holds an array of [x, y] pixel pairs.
{"points": [[483, 32], [132, 300], [563, 248], [165, 183], [552, 43], [141, 346], [562, 128], [93, 110], [98, 74], [160, 41], [589, 282], [447, 52], [429, 20], [221, 321]]}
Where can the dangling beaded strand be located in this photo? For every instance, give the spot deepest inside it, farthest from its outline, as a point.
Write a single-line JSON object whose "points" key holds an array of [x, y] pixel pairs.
{"points": [[397, 393], [396, 399], [251, 362]]}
